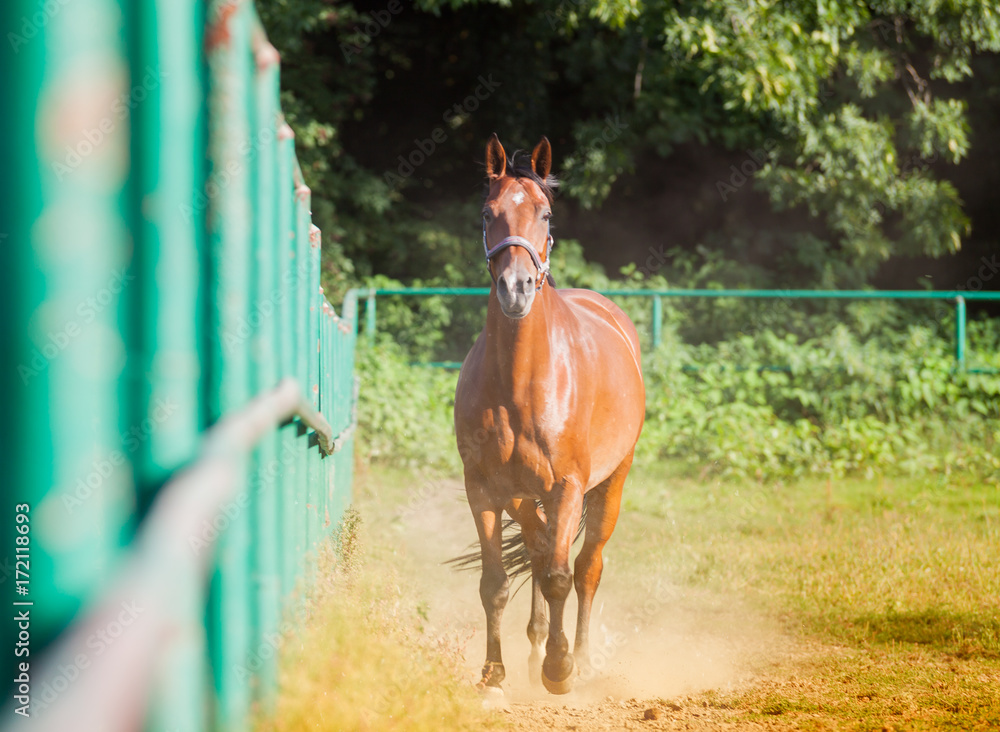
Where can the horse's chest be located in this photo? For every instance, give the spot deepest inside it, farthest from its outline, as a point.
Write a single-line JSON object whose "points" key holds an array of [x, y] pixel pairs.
{"points": [[512, 452]]}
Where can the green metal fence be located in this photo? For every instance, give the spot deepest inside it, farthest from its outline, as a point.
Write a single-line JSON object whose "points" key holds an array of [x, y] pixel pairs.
{"points": [[656, 297], [179, 434]]}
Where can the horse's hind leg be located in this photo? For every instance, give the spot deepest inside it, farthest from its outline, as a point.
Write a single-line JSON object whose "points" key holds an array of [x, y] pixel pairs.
{"points": [[532, 524], [603, 504], [493, 585]]}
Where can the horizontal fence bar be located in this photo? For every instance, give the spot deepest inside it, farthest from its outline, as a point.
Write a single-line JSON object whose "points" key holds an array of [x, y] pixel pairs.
{"points": [[959, 297], [780, 294], [311, 418]]}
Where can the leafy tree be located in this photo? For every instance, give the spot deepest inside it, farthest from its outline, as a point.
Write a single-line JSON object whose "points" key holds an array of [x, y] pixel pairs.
{"points": [[855, 114], [856, 93]]}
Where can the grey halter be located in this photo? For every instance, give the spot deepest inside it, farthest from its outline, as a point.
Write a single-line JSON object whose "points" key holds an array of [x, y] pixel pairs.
{"points": [[520, 241]]}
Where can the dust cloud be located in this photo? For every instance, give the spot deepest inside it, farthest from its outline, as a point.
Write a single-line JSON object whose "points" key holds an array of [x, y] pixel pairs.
{"points": [[650, 639]]}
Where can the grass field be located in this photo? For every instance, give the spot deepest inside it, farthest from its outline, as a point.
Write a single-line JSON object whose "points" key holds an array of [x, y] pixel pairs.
{"points": [[871, 604], [893, 587]]}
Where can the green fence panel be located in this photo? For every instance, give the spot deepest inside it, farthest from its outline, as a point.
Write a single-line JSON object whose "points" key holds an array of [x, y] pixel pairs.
{"points": [[300, 258], [175, 371], [311, 352], [288, 460], [167, 297], [166, 292], [230, 216], [75, 264], [267, 560]]}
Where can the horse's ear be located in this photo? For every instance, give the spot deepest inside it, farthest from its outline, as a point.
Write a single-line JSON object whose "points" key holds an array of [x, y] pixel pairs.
{"points": [[541, 158], [496, 158]]}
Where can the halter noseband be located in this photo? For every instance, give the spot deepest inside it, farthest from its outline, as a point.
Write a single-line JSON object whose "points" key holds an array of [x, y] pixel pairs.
{"points": [[520, 241]]}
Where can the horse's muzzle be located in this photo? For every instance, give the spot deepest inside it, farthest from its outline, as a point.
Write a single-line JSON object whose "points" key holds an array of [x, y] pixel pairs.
{"points": [[515, 294]]}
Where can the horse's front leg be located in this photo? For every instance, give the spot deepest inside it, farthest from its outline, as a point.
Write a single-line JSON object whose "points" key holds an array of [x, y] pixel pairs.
{"points": [[562, 510], [493, 585]]}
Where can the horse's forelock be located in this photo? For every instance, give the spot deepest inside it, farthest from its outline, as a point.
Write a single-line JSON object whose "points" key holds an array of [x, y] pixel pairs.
{"points": [[519, 166]]}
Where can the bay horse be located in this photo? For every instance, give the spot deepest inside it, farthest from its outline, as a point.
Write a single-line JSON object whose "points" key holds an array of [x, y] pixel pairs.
{"points": [[553, 391]]}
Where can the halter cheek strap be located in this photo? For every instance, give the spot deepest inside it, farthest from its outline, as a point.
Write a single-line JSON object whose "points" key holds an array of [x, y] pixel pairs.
{"points": [[520, 241]]}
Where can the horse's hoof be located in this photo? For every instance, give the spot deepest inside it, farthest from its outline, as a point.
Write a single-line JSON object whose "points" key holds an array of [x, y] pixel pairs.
{"points": [[493, 697], [560, 687]]}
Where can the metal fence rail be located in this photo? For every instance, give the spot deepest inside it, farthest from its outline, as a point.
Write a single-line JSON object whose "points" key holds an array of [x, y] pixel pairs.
{"points": [[370, 295], [180, 432]]}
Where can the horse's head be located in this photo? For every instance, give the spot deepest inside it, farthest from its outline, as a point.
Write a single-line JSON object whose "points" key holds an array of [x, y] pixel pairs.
{"points": [[516, 225]]}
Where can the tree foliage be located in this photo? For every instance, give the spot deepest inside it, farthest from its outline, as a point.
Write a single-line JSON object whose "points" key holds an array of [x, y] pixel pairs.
{"points": [[858, 112]]}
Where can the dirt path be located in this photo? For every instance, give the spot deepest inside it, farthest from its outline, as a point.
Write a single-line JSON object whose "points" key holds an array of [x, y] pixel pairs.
{"points": [[613, 714], [655, 644]]}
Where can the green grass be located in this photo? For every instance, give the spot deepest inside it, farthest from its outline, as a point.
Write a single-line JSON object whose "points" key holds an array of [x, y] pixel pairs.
{"points": [[888, 588], [893, 586], [359, 659]]}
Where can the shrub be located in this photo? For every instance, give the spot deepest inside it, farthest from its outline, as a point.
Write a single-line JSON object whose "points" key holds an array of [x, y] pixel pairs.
{"points": [[404, 411], [746, 388]]}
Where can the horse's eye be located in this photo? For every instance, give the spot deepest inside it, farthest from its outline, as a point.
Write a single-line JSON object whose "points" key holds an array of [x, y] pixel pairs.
{"points": [[487, 215], [547, 216]]}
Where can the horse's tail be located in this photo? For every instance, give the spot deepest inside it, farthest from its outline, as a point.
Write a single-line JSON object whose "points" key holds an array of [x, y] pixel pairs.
{"points": [[516, 560], [514, 552]]}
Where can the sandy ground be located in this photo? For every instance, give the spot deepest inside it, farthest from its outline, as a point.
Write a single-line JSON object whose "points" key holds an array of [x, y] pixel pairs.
{"points": [[653, 644]]}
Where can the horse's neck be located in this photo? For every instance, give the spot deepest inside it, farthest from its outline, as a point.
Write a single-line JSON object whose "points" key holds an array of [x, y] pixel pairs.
{"points": [[520, 349]]}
